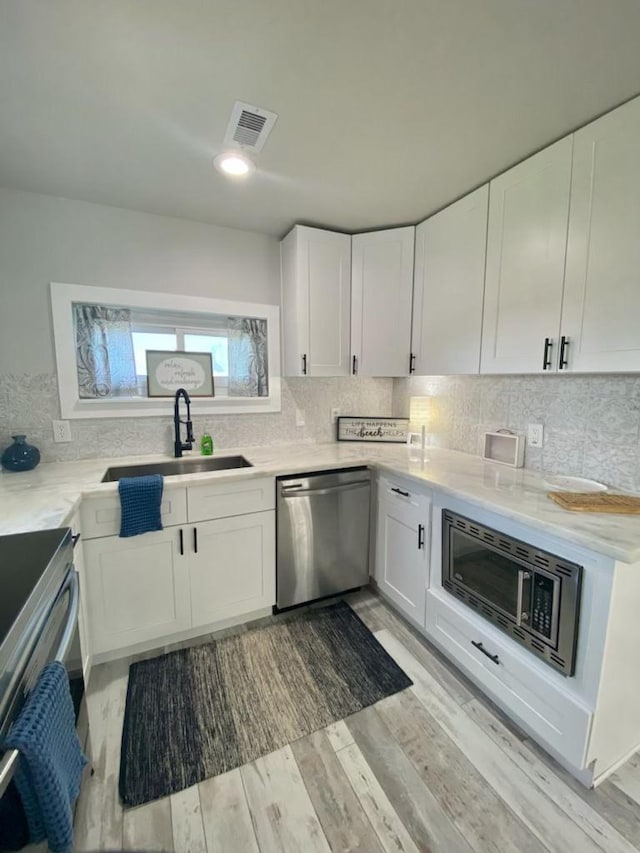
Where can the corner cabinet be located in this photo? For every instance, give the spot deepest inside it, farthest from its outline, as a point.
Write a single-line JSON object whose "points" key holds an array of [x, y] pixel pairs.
{"points": [[448, 288], [602, 284], [381, 295], [316, 288], [526, 252], [403, 546]]}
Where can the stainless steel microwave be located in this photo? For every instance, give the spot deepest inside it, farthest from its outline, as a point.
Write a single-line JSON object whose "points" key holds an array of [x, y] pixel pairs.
{"points": [[530, 594]]}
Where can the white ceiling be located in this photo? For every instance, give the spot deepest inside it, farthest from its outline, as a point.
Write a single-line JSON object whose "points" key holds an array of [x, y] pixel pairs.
{"points": [[388, 109]]}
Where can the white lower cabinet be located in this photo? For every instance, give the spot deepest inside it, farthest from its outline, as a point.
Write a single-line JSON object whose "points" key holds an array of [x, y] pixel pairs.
{"points": [[232, 567], [190, 575], [137, 588], [402, 547], [100, 513], [499, 668]]}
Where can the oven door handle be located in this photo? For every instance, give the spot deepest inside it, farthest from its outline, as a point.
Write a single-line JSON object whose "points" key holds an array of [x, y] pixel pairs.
{"points": [[8, 766], [9, 761], [71, 584], [522, 615]]}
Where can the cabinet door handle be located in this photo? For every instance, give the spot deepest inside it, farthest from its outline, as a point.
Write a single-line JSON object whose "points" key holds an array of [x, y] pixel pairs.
{"points": [[546, 358], [304, 364], [354, 365], [195, 540], [181, 543], [400, 492], [494, 658], [563, 360], [420, 537], [412, 363], [75, 539]]}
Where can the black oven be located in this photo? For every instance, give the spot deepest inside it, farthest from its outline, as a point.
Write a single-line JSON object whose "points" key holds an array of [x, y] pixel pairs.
{"points": [[532, 595]]}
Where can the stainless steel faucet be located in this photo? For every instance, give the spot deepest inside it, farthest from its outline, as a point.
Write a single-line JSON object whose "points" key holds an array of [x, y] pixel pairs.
{"points": [[179, 445]]}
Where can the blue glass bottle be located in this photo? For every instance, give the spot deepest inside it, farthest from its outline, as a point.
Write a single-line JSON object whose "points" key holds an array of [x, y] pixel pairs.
{"points": [[20, 456]]}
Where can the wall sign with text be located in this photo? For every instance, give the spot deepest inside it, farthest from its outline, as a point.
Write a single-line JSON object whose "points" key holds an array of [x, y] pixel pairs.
{"points": [[167, 371], [390, 430]]}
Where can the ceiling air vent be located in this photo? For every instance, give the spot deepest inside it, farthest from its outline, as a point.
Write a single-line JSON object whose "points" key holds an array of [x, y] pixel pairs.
{"points": [[249, 127]]}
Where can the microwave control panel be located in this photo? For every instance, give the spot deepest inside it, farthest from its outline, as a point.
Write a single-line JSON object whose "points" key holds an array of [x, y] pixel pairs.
{"points": [[542, 605]]}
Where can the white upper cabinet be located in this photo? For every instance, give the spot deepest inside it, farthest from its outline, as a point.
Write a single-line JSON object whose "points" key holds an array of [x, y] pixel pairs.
{"points": [[526, 252], [448, 288], [601, 313], [381, 292], [316, 286]]}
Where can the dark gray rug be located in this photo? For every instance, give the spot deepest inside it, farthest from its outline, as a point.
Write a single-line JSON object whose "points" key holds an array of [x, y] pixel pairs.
{"points": [[198, 712]]}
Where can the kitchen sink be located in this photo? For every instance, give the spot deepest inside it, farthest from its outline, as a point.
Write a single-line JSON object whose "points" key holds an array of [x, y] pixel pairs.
{"points": [[176, 466]]}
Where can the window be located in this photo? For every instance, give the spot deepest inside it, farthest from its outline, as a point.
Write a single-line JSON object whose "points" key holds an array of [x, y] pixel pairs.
{"points": [[217, 345], [142, 341], [102, 337]]}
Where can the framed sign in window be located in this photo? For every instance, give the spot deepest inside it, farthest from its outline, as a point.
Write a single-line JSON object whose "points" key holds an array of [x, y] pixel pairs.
{"points": [[168, 370], [387, 430]]}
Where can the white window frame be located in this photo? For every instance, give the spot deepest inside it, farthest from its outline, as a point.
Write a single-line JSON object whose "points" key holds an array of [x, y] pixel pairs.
{"points": [[63, 296]]}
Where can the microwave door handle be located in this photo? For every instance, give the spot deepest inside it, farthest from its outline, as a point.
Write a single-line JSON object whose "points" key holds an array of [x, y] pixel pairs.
{"points": [[522, 615]]}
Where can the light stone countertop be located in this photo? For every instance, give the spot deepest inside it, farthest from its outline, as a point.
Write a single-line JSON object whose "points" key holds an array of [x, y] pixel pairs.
{"points": [[49, 495]]}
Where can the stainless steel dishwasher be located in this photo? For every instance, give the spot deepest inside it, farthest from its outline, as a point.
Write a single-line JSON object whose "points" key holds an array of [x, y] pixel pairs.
{"points": [[323, 535]]}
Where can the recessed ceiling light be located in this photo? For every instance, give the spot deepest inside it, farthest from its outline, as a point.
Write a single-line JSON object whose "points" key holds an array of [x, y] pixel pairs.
{"points": [[234, 164]]}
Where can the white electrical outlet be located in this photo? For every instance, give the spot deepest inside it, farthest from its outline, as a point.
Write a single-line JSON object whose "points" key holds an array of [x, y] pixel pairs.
{"points": [[535, 435], [335, 414], [61, 431], [299, 418]]}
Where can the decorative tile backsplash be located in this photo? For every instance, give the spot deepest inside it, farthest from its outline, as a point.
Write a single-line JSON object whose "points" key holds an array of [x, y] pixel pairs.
{"points": [[28, 404], [591, 423]]}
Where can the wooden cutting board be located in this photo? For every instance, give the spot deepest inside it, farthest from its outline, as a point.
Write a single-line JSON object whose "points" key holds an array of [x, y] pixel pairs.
{"points": [[597, 502]]}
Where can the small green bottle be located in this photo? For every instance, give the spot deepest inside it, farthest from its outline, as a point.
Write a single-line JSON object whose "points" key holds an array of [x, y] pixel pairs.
{"points": [[206, 445]]}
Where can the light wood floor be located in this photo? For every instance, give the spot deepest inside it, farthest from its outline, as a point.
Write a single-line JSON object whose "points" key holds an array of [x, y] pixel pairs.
{"points": [[434, 768]]}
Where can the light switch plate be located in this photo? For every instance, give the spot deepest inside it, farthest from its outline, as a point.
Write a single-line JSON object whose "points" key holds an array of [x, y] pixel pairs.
{"points": [[299, 418]]}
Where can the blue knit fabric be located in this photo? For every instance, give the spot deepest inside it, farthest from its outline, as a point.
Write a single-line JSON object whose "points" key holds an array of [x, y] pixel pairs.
{"points": [[140, 501], [51, 761]]}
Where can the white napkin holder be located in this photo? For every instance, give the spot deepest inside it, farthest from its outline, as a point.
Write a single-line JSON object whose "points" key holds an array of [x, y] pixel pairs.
{"points": [[504, 447]]}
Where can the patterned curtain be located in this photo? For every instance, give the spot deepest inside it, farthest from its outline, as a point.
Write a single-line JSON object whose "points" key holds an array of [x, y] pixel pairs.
{"points": [[104, 352], [248, 364]]}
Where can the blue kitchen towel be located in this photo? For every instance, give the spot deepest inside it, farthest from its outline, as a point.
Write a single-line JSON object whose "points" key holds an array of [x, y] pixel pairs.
{"points": [[51, 761], [140, 501]]}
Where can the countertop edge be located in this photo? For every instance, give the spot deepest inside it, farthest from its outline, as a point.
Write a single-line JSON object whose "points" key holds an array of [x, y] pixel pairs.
{"points": [[367, 455]]}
